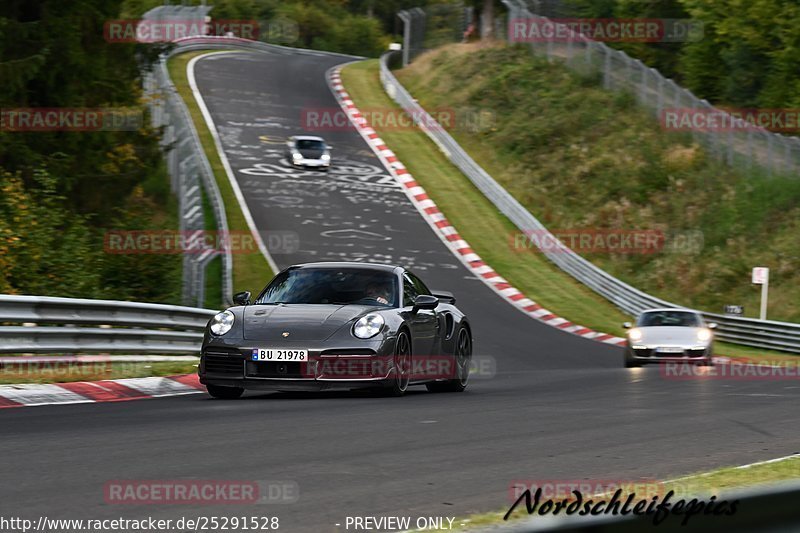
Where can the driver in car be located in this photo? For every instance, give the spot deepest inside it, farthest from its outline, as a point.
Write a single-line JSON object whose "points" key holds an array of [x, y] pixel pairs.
{"points": [[378, 292]]}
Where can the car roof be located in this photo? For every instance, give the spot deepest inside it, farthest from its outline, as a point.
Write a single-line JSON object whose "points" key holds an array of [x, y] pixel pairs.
{"points": [[307, 138], [348, 264]]}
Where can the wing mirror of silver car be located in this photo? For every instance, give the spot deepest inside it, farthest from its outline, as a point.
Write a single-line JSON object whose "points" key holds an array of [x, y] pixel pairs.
{"points": [[241, 298], [627, 325]]}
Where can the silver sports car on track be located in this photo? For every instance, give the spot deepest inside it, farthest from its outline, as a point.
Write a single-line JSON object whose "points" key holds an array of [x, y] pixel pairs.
{"points": [[669, 335], [306, 151], [322, 326]]}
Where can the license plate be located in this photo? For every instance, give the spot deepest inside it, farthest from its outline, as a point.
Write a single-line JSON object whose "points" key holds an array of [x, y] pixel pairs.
{"points": [[267, 354], [670, 349]]}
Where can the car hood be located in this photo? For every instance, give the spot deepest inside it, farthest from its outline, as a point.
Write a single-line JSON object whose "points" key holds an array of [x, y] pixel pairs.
{"points": [[311, 153], [669, 336], [303, 322]]}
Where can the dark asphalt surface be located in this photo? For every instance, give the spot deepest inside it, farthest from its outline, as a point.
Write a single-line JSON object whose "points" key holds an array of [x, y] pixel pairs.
{"points": [[558, 408]]}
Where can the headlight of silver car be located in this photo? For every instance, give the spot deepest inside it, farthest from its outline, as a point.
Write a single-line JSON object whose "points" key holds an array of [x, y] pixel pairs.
{"points": [[222, 323], [368, 326], [703, 334]]}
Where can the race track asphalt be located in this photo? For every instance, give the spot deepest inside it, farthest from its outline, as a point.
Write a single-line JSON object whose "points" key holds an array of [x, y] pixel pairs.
{"points": [[557, 408]]}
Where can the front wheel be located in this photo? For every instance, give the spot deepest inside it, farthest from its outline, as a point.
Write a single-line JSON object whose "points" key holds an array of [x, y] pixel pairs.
{"points": [[630, 362], [402, 365], [462, 356], [224, 393]]}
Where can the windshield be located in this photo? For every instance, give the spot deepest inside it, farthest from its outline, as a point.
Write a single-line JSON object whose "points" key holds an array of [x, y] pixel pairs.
{"points": [[332, 286], [669, 318], [306, 144]]}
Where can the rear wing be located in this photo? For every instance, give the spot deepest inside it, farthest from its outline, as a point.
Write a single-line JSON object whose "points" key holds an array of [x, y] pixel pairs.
{"points": [[445, 296]]}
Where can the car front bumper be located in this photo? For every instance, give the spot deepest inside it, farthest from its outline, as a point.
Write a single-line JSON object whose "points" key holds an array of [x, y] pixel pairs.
{"points": [[652, 354], [311, 163], [326, 368]]}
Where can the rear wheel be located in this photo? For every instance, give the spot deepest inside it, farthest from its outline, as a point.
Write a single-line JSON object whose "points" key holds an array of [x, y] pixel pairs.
{"points": [[462, 356], [224, 393]]}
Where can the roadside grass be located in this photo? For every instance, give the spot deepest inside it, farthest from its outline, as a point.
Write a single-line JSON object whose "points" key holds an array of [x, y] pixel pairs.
{"points": [[19, 373], [580, 157], [250, 269], [705, 484], [490, 233]]}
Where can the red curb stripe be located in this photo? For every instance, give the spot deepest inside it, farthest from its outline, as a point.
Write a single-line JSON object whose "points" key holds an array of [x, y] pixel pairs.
{"points": [[547, 317], [532, 308], [432, 210], [517, 297], [410, 184], [5, 402], [582, 331], [190, 380], [103, 391], [490, 274], [565, 325], [465, 251], [603, 337], [502, 286], [422, 196], [453, 237], [442, 224]]}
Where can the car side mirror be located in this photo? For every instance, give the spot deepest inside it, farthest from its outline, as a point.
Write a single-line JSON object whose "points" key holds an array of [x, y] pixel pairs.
{"points": [[712, 325], [425, 301], [242, 298], [627, 325]]}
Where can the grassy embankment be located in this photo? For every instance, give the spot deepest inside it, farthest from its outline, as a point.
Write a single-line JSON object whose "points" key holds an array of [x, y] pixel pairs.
{"points": [[571, 201]]}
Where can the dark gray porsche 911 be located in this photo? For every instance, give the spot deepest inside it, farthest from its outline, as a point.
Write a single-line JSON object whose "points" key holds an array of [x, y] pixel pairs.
{"points": [[322, 326]]}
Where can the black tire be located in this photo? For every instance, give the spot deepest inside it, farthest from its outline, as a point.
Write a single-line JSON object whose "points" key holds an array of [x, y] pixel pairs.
{"points": [[462, 355], [402, 362], [224, 393], [631, 363]]}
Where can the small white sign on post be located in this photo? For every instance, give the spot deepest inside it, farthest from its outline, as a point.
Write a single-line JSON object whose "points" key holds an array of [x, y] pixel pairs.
{"points": [[761, 277]]}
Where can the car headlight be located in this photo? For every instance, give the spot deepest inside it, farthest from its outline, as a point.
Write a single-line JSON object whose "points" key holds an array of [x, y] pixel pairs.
{"points": [[326, 157], [368, 326], [635, 334], [221, 323], [703, 334], [297, 156]]}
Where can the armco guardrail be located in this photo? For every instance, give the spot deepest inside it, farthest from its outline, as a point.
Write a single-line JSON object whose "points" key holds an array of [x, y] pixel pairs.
{"points": [[44, 324], [751, 332]]}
